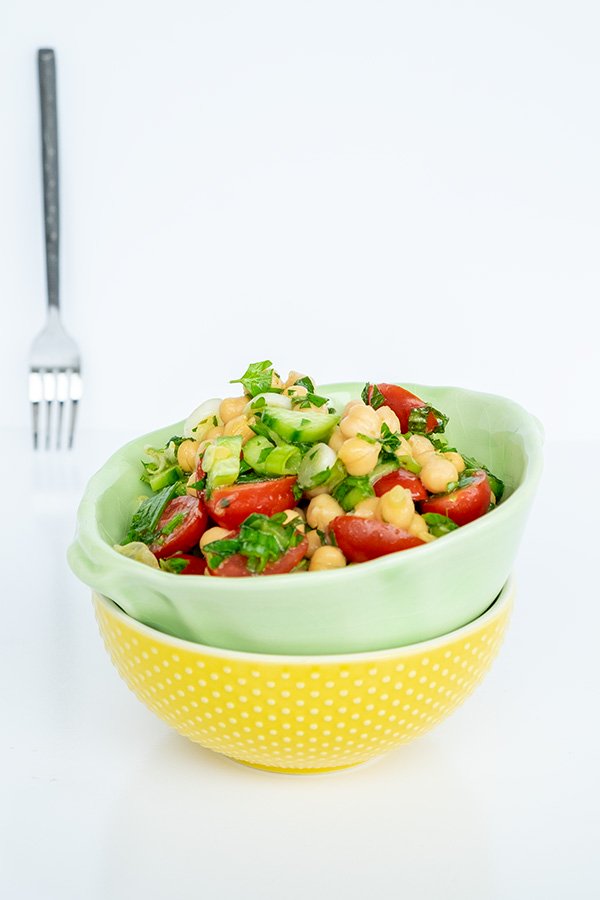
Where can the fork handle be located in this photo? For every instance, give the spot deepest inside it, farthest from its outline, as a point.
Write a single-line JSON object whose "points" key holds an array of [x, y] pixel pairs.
{"points": [[47, 82]]}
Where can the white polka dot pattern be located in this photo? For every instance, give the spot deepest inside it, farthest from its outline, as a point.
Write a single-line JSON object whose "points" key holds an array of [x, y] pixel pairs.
{"points": [[300, 714]]}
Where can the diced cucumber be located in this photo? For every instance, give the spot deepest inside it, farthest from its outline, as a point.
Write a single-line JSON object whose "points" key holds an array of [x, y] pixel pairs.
{"points": [[256, 451], [300, 426], [167, 476]]}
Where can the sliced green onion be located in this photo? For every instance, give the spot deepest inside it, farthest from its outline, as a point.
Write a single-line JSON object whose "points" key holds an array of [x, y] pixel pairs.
{"points": [[221, 461], [283, 460], [316, 466]]}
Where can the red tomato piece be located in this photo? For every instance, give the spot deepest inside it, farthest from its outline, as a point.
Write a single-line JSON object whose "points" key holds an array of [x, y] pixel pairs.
{"points": [[402, 402], [236, 566], [465, 504], [405, 479], [196, 565], [186, 532], [364, 539], [229, 506]]}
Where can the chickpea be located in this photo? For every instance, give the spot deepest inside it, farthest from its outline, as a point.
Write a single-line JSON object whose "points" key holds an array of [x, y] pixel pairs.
{"points": [[231, 408], [360, 457], [239, 426], [186, 455], [368, 509], [337, 439], [296, 391], [214, 432], [436, 473], [418, 528], [327, 558], [314, 542], [397, 507], [322, 510], [213, 534], [291, 514], [292, 378], [190, 490], [351, 404], [361, 420], [404, 448], [456, 459], [389, 417], [420, 447]]}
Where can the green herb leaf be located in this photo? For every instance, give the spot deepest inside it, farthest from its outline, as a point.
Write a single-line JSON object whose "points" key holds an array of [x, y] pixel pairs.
{"points": [[307, 383], [257, 378], [145, 521], [170, 526], [197, 485], [372, 396], [352, 491], [297, 491], [439, 525], [174, 565], [261, 539], [417, 419], [496, 484]]}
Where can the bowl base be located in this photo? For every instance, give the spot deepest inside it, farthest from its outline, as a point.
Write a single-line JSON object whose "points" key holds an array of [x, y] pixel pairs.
{"points": [[326, 770]]}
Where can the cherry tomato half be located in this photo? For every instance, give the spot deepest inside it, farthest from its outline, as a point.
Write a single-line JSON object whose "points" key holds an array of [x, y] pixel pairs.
{"points": [[236, 566], [196, 565], [186, 532], [402, 402], [229, 506], [364, 539], [465, 504], [405, 479]]}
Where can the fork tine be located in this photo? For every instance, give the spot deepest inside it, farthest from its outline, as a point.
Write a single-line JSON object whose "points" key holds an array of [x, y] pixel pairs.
{"points": [[62, 385], [35, 395], [49, 380], [74, 405], [74, 390]]}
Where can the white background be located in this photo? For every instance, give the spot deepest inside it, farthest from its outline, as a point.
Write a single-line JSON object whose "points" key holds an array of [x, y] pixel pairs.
{"points": [[377, 190]]}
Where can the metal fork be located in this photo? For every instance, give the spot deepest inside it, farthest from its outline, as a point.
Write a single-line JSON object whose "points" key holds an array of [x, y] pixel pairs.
{"points": [[54, 362]]}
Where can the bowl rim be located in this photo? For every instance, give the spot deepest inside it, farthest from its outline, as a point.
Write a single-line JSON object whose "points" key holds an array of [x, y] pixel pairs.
{"points": [[502, 603], [89, 532]]}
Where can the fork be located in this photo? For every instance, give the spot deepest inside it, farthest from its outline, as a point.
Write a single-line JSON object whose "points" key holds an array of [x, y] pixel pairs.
{"points": [[54, 361]]}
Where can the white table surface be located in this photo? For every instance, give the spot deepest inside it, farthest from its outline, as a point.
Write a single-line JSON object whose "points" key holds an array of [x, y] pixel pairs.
{"points": [[99, 799]]}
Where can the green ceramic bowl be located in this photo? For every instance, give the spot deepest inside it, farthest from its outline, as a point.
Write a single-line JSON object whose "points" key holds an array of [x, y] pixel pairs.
{"points": [[389, 602]]}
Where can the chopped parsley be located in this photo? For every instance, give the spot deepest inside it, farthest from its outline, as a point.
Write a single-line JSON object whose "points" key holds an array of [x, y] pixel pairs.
{"points": [[261, 539], [174, 565], [439, 525], [372, 396], [306, 382], [417, 419], [144, 523], [257, 378]]}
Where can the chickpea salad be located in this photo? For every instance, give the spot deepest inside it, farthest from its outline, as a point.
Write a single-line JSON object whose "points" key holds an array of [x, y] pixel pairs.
{"points": [[277, 480]]}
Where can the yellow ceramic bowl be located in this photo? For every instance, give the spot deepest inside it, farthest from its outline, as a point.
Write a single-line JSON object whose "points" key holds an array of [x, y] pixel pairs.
{"points": [[302, 714]]}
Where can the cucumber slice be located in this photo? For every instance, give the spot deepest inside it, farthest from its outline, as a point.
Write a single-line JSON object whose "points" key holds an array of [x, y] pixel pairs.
{"points": [[300, 426], [256, 451]]}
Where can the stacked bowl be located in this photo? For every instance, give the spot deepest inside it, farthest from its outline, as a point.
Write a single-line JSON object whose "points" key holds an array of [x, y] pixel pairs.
{"points": [[318, 671]]}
